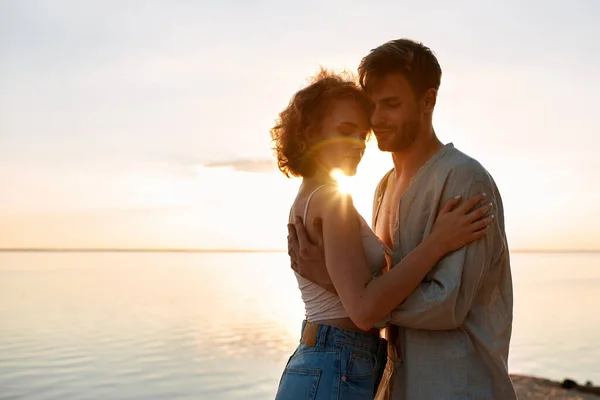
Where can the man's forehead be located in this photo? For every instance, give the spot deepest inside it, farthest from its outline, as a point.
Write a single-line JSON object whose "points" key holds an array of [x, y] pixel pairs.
{"points": [[388, 86]]}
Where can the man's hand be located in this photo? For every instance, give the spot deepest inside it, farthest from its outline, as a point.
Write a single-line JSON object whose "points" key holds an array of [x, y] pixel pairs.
{"points": [[308, 258]]}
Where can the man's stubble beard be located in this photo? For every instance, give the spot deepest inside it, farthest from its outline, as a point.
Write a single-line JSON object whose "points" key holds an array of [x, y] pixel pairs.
{"points": [[404, 138]]}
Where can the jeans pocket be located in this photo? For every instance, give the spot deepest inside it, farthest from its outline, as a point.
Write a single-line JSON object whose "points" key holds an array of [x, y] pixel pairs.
{"points": [[298, 384], [361, 364]]}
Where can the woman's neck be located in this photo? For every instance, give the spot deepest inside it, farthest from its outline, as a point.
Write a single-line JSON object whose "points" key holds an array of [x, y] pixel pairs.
{"points": [[321, 177]]}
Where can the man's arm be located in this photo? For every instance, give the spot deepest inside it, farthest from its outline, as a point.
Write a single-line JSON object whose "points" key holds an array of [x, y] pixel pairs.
{"points": [[307, 258], [444, 299]]}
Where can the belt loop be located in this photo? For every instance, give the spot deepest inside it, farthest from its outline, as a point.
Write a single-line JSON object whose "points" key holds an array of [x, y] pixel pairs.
{"points": [[304, 322], [322, 335], [309, 334]]}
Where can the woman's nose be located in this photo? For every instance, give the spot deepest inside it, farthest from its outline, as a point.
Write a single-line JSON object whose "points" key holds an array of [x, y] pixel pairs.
{"points": [[360, 144]]}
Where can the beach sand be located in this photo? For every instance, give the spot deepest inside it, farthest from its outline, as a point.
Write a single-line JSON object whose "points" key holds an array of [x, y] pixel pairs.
{"points": [[532, 388]]}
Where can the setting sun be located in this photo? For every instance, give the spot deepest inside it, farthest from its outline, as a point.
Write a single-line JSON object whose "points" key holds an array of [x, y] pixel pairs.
{"points": [[344, 182]]}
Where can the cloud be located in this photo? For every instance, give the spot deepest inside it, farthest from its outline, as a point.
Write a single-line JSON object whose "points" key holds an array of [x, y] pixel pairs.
{"points": [[245, 165]]}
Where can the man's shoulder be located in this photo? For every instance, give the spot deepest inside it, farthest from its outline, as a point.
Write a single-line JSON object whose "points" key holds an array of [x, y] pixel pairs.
{"points": [[457, 165], [458, 161]]}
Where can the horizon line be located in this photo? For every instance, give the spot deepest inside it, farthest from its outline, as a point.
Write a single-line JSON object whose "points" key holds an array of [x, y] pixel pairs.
{"points": [[199, 250]]}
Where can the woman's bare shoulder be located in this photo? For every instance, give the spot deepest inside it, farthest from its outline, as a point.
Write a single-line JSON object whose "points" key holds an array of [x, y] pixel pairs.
{"points": [[329, 199]]}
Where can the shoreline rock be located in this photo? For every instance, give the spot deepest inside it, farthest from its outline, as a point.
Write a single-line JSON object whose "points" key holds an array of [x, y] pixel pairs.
{"points": [[535, 388]]}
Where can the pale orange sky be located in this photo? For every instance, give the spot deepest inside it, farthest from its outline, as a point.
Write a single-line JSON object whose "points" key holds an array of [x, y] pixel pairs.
{"points": [[147, 126]]}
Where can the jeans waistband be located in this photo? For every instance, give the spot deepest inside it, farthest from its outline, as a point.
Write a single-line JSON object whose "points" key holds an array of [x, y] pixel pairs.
{"points": [[317, 335]]}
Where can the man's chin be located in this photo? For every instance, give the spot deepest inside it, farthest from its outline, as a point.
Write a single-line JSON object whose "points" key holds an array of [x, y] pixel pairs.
{"points": [[383, 146], [391, 147]]}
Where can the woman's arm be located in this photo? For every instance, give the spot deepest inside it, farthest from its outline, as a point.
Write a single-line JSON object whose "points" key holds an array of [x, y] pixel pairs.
{"points": [[367, 299]]}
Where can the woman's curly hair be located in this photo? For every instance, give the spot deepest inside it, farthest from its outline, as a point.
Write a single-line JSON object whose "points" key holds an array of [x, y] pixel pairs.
{"points": [[301, 119]]}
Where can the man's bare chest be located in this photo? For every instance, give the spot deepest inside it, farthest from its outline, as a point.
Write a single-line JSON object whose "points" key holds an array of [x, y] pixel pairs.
{"points": [[388, 211]]}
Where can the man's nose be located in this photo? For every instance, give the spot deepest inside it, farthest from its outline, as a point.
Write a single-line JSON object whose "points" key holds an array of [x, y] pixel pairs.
{"points": [[377, 117]]}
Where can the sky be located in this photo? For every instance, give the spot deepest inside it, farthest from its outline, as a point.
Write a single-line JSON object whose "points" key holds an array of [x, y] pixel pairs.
{"points": [[143, 124]]}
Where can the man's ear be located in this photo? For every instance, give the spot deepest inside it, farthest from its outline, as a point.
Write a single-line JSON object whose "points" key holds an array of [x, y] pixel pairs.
{"points": [[429, 99]]}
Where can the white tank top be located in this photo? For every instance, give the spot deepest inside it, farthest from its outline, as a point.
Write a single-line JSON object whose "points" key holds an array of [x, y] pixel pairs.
{"points": [[318, 302]]}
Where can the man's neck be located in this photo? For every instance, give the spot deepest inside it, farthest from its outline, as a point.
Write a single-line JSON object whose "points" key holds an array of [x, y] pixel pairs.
{"points": [[408, 162]]}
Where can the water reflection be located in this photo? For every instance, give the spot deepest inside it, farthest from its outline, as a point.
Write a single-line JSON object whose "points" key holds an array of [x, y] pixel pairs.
{"points": [[221, 326]]}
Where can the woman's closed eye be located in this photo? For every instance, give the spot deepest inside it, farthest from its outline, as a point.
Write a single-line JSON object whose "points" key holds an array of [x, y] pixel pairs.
{"points": [[347, 130], [350, 129]]}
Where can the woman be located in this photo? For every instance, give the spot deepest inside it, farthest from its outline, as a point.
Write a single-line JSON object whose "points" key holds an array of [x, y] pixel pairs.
{"points": [[324, 128]]}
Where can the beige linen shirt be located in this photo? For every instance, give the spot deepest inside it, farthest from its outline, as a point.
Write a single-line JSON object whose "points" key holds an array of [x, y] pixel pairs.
{"points": [[455, 328]]}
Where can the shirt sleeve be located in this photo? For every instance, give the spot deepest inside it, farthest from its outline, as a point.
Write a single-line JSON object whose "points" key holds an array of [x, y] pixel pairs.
{"points": [[444, 298]]}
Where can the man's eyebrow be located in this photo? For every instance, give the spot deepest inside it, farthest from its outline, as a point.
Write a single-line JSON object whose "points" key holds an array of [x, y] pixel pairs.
{"points": [[389, 99]]}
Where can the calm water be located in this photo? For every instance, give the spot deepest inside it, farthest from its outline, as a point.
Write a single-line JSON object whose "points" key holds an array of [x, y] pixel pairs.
{"points": [[221, 326]]}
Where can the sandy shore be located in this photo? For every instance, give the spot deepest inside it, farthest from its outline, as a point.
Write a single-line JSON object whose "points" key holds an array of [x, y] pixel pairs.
{"points": [[532, 388]]}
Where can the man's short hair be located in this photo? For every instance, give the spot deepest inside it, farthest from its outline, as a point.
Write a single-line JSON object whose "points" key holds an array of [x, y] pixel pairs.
{"points": [[412, 59]]}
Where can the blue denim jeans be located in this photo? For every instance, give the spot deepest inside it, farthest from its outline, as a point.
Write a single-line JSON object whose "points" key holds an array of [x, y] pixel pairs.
{"points": [[343, 364]]}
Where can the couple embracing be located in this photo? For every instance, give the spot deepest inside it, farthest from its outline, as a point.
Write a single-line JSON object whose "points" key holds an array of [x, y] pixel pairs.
{"points": [[418, 304]]}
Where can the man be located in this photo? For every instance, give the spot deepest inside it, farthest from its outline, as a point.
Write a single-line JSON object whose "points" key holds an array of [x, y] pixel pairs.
{"points": [[451, 336]]}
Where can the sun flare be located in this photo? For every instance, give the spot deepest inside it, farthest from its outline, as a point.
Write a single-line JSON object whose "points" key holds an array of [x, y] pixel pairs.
{"points": [[344, 182]]}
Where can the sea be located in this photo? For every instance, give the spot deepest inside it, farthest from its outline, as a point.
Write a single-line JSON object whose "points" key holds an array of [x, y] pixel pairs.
{"points": [[130, 325]]}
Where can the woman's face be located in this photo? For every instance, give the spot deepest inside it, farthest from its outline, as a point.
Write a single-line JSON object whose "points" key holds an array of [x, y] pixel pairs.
{"points": [[344, 130]]}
